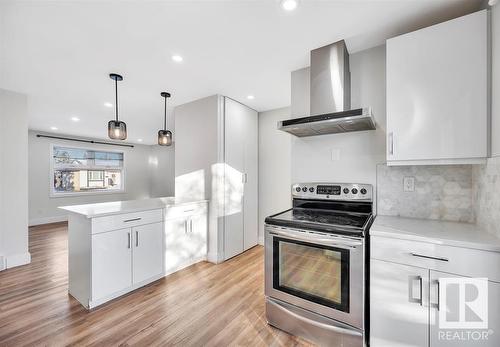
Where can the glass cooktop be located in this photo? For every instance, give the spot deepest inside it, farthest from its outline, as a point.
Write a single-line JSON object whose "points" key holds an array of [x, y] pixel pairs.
{"points": [[324, 219]]}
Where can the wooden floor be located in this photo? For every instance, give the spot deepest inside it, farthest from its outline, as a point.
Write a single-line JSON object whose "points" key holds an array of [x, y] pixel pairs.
{"points": [[203, 305]]}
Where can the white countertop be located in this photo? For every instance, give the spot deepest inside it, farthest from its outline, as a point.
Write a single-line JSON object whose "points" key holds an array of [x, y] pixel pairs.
{"points": [[119, 207], [433, 231]]}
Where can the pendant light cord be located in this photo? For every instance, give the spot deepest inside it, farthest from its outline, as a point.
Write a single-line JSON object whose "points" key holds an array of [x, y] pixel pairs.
{"points": [[116, 99], [165, 120]]}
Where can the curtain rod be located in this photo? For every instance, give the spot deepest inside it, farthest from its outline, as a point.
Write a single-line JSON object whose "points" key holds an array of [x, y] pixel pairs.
{"points": [[87, 141]]}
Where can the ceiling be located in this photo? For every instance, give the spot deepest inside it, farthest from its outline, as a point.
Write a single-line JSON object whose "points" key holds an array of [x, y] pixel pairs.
{"points": [[61, 52]]}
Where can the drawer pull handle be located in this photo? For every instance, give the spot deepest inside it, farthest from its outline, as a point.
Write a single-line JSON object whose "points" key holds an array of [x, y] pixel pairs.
{"points": [[131, 220], [428, 257], [191, 210], [128, 236]]}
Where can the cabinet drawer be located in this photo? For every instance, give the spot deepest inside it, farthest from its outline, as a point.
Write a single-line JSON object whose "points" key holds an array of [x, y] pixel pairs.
{"points": [[185, 210], [455, 260], [126, 220]]}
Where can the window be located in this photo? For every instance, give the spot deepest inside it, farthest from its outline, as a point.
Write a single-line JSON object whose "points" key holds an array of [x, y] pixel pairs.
{"points": [[82, 171]]}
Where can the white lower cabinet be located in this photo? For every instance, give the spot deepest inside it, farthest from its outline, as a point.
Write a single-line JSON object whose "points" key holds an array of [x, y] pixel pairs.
{"points": [[399, 315], [185, 237], [147, 252], [111, 262], [125, 257], [419, 304]]}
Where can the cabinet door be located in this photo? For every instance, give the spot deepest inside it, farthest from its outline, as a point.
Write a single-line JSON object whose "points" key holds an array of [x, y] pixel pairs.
{"points": [[398, 305], [250, 195], [177, 247], [147, 251], [198, 236], [111, 262], [234, 151], [437, 96], [454, 311]]}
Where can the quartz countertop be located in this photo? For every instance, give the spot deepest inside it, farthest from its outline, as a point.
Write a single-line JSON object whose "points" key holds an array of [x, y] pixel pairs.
{"points": [[434, 231], [119, 207]]}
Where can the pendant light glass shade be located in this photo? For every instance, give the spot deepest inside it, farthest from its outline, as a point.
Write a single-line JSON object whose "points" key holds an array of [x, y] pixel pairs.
{"points": [[165, 136], [117, 130]]}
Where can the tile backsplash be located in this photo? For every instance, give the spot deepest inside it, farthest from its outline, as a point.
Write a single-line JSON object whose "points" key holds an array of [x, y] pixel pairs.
{"points": [[486, 186], [441, 192]]}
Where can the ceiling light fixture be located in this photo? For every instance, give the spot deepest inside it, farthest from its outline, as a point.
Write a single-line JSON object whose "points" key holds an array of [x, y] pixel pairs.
{"points": [[54, 128], [492, 2], [289, 5], [139, 140], [108, 104], [250, 97], [165, 136], [177, 58], [117, 130], [75, 119]]}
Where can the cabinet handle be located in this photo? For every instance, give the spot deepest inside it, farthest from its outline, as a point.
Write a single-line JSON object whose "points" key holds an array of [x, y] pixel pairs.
{"points": [[419, 300], [190, 225], [391, 143], [428, 257], [437, 304], [131, 220], [185, 226], [244, 178], [128, 235], [137, 238], [191, 210]]}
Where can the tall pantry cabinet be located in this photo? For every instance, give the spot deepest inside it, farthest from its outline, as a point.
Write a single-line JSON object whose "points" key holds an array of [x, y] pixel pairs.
{"points": [[216, 158]]}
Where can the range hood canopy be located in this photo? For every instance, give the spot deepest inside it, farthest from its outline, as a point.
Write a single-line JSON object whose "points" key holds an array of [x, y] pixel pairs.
{"points": [[330, 97]]}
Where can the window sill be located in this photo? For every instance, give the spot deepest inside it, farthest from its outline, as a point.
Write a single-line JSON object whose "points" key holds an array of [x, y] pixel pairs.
{"points": [[80, 194]]}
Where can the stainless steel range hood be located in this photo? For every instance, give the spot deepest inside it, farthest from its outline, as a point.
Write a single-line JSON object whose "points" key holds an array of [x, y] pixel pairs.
{"points": [[330, 97]]}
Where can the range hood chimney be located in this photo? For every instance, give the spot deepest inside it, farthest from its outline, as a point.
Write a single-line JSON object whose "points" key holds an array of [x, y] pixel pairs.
{"points": [[330, 108]]}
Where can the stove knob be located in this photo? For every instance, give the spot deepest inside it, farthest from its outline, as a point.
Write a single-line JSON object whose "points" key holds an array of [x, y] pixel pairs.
{"points": [[297, 189], [311, 190], [346, 190], [354, 191], [304, 189], [363, 191]]}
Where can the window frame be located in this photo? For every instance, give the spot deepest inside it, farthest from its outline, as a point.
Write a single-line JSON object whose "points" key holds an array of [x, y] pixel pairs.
{"points": [[54, 194]]}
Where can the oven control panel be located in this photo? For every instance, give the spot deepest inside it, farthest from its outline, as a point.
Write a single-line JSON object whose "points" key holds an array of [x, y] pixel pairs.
{"points": [[333, 191]]}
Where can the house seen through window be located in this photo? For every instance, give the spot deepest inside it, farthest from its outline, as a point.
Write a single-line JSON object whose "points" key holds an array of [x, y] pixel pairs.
{"points": [[79, 170]]}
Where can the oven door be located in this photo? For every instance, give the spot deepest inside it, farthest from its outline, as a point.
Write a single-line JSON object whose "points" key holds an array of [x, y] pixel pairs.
{"points": [[323, 273]]}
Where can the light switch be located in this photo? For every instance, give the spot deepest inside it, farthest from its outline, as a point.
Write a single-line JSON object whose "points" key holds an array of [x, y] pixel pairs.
{"points": [[335, 154], [409, 184]]}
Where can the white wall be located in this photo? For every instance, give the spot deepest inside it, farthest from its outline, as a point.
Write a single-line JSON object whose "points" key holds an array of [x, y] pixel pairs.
{"points": [[274, 166], [147, 169], [13, 178], [162, 164], [495, 95], [360, 152]]}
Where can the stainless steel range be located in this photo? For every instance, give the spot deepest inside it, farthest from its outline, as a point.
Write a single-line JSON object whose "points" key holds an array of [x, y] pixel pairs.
{"points": [[315, 263]]}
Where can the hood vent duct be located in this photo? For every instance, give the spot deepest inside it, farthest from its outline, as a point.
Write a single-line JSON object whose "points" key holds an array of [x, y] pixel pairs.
{"points": [[330, 97]]}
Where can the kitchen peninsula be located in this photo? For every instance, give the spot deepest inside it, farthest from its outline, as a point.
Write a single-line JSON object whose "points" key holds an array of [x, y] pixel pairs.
{"points": [[117, 247]]}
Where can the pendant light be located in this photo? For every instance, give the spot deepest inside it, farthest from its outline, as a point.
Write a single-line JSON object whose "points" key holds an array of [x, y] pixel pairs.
{"points": [[117, 130], [165, 136]]}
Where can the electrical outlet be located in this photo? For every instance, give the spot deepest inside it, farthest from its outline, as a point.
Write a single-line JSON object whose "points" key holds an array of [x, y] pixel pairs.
{"points": [[409, 184], [335, 154]]}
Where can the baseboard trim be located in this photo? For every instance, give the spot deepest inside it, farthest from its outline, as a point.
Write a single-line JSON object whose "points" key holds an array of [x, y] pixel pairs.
{"points": [[214, 258], [47, 220], [17, 260], [2, 263], [261, 240]]}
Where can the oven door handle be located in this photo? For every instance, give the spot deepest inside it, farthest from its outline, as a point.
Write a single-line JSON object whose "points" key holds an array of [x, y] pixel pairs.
{"points": [[320, 325], [347, 244]]}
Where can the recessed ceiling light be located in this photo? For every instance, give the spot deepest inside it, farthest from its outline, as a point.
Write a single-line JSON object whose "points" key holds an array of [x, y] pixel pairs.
{"points": [[75, 119], [53, 128], [108, 104], [289, 5], [492, 2], [177, 58], [250, 97], [139, 140]]}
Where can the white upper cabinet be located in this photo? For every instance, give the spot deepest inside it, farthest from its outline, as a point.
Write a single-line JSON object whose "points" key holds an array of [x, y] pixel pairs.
{"points": [[437, 93]]}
